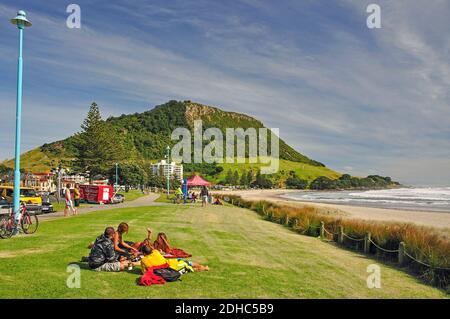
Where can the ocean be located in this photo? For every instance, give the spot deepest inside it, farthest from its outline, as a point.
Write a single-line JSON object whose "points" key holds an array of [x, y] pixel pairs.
{"points": [[435, 199]]}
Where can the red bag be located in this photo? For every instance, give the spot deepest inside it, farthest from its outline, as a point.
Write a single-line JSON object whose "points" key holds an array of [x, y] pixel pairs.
{"points": [[149, 278]]}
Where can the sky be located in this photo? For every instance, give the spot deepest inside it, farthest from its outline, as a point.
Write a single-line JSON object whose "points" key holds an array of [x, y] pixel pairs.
{"points": [[363, 101]]}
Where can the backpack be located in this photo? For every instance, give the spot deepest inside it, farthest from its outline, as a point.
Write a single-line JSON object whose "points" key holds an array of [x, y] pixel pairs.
{"points": [[168, 274]]}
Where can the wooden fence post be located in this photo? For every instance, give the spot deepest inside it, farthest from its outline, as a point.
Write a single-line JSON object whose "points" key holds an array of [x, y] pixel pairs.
{"points": [[367, 243], [322, 230], [341, 234], [286, 221], [401, 253]]}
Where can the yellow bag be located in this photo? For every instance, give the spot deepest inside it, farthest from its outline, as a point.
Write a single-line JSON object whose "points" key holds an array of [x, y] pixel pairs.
{"points": [[178, 264]]}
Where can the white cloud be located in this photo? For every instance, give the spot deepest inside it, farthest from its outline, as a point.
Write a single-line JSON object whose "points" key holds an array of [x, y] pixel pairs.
{"points": [[350, 104]]}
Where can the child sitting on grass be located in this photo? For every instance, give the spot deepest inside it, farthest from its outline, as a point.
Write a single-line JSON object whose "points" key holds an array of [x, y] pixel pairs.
{"points": [[153, 258]]}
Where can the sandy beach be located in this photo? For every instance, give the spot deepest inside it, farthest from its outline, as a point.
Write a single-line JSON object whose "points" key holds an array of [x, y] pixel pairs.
{"points": [[433, 219]]}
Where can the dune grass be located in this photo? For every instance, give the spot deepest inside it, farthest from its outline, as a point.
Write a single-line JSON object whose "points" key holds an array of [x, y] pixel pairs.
{"points": [[248, 257], [426, 244]]}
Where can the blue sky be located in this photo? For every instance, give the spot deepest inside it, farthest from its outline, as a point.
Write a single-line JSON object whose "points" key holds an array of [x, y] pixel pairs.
{"points": [[362, 101]]}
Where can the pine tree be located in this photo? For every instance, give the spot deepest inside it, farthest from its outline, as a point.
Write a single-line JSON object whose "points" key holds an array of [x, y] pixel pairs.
{"points": [[235, 178], [229, 177], [243, 180], [249, 177], [98, 144]]}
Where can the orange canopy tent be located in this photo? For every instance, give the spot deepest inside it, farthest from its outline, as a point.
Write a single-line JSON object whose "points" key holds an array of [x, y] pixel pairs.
{"points": [[197, 181]]}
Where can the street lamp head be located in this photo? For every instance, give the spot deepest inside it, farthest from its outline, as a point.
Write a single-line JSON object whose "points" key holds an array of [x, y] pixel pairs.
{"points": [[21, 20]]}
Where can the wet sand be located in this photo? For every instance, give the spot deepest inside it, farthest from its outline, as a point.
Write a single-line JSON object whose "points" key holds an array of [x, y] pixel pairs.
{"points": [[423, 218]]}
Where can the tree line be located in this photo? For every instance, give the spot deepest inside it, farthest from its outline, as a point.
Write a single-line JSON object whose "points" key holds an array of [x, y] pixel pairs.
{"points": [[293, 181]]}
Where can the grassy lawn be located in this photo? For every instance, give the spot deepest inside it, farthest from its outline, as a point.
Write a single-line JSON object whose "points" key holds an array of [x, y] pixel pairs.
{"points": [[304, 171], [163, 198], [132, 194], [248, 257]]}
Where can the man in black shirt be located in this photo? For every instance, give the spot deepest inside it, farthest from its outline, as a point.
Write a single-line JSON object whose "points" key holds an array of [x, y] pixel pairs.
{"points": [[102, 256]]}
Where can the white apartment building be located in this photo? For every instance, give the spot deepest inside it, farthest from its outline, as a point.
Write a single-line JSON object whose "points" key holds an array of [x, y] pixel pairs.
{"points": [[165, 169]]}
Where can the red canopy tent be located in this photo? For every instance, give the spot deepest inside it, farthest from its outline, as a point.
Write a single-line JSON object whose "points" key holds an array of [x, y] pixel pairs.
{"points": [[197, 181]]}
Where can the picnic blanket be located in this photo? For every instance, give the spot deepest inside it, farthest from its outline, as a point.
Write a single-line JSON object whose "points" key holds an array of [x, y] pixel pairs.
{"points": [[177, 253]]}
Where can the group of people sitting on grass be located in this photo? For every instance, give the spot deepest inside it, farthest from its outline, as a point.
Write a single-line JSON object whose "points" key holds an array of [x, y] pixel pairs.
{"points": [[110, 252]]}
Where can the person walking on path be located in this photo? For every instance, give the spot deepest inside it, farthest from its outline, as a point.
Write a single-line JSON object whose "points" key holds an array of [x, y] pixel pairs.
{"points": [[204, 194], [76, 195], [69, 203]]}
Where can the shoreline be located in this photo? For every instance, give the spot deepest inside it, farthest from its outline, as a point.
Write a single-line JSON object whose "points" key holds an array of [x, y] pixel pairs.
{"points": [[439, 220]]}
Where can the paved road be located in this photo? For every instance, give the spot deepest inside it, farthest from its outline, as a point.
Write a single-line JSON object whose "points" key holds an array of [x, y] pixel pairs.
{"points": [[147, 200]]}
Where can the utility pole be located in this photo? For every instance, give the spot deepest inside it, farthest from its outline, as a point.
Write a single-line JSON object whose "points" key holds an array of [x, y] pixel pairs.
{"points": [[168, 171], [59, 183], [117, 176]]}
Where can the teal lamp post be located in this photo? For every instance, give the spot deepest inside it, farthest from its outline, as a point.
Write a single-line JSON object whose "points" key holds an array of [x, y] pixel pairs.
{"points": [[21, 22]]}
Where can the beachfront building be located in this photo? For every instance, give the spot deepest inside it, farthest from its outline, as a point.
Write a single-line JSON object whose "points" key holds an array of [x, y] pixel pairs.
{"points": [[42, 181], [163, 168], [48, 181], [73, 179]]}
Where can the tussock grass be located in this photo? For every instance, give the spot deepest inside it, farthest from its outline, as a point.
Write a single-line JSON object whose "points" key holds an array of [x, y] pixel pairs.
{"points": [[426, 244]]}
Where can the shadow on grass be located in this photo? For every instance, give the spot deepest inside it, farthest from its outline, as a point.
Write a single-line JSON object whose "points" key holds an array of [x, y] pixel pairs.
{"points": [[80, 264]]}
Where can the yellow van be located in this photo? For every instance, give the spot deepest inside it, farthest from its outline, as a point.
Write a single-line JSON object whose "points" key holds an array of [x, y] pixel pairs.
{"points": [[27, 195]]}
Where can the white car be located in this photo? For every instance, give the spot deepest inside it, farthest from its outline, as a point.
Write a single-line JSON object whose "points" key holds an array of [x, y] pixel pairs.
{"points": [[118, 198]]}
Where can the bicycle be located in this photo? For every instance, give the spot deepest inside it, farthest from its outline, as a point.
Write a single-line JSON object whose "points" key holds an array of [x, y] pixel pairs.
{"points": [[8, 224]]}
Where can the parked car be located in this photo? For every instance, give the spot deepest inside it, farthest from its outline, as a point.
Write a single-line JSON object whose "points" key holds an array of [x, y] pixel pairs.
{"points": [[27, 195], [46, 208], [4, 206], [118, 198]]}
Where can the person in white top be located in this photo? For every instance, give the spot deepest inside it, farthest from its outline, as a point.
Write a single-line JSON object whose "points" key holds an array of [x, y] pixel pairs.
{"points": [[69, 203]]}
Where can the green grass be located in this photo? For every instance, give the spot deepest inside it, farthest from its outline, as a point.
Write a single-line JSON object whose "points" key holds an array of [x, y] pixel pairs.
{"points": [[132, 194], [304, 171], [36, 160], [163, 198], [248, 257]]}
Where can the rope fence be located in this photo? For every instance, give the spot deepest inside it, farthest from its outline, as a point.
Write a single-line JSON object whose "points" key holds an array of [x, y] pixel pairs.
{"points": [[425, 264], [367, 240], [384, 249], [351, 238], [330, 233]]}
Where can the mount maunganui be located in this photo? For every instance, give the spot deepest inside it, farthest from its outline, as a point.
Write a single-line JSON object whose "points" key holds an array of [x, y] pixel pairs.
{"points": [[147, 134]]}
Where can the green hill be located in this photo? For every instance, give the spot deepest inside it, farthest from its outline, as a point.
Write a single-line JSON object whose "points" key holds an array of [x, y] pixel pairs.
{"points": [[146, 135]]}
